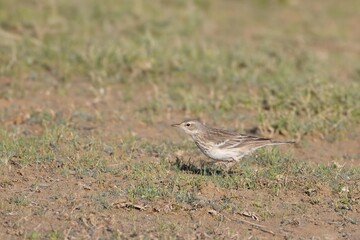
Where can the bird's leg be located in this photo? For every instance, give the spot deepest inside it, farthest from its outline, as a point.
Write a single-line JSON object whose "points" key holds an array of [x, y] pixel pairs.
{"points": [[189, 160], [229, 166], [226, 165], [220, 163]]}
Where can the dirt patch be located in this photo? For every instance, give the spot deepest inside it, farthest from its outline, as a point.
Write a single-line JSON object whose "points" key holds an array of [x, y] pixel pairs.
{"points": [[38, 199], [345, 151]]}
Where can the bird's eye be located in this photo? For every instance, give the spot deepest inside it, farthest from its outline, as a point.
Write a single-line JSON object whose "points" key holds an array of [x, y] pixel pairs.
{"points": [[188, 124]]}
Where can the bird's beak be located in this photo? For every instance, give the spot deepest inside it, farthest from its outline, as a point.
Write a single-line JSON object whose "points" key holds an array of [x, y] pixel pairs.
{"points": [[175, 125]]}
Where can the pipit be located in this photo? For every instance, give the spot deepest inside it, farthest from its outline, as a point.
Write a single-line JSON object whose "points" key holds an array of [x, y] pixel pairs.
{"points": [[224, 145]]}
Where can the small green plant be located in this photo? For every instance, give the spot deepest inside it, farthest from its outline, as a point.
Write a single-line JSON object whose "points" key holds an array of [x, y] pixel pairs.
{"points": [[19, 200], [34, 236], [55, 235]]}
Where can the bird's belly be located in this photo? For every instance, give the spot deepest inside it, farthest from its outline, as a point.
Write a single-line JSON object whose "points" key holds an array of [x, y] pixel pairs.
{"points": [[221, 154]]}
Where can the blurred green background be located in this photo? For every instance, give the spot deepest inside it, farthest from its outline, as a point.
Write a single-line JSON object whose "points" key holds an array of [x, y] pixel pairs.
{"points": [[292, 66]]}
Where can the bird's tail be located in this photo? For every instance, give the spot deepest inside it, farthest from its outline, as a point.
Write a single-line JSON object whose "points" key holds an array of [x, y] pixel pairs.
{"points": [[282, 142]]}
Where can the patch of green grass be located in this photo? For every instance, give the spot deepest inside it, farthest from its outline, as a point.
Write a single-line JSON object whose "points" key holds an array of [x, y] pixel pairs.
{"points": [[102, 200], [19, 200], [55, 235], [172, 56], [57, 144], [23, 149], [34, 235], [147, 191], [163, 226]]}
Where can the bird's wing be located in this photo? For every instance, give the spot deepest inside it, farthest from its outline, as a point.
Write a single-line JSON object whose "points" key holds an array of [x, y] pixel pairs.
{"points": [[243, 140], [227, 139]]}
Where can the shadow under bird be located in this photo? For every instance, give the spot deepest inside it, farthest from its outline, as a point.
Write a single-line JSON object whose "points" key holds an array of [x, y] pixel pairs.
{"points": [[223, 145]]}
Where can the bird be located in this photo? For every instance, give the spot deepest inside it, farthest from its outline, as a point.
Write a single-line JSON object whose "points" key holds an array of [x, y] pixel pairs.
{"points": [[223, 145]]}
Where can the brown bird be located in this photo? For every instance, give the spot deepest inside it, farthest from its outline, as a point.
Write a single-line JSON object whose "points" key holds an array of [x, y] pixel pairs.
{"points": [[224, 145]]}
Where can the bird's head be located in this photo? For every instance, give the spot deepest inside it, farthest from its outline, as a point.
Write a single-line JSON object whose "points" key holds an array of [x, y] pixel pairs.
{"points": [[191, 127]]}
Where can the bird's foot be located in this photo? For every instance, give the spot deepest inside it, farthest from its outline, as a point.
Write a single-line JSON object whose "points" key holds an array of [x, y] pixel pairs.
{"points": [[227, 166]]}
